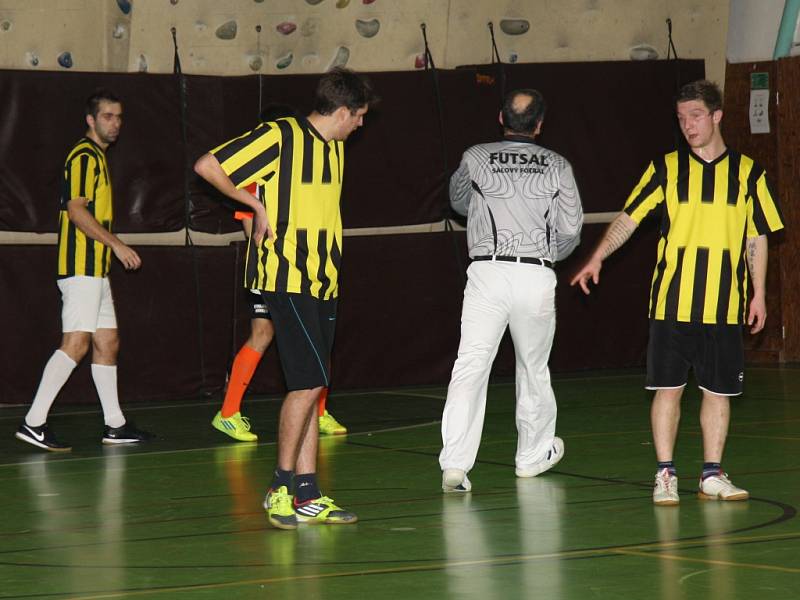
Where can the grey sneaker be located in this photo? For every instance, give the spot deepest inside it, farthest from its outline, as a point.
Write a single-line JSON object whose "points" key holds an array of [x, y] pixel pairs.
{"points": [[719, 487], [455, 481], [551, 459], [665, 491]]}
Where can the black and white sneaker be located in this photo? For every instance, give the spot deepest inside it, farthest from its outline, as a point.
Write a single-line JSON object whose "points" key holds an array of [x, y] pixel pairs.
{"points": [[41, 437], [126, 434]]}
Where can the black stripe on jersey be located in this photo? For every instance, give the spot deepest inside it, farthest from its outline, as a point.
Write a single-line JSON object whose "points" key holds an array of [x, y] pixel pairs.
{"points": [[84, 162], [72, 243], [699, 287], [724, 287], [234, 146], [322, 251], [740, 278], [709, 178], [284, 201], [683, 175], [674, 291], [301, 260], [255, 164], [336, 258], [658, 280], [655, 181], [89, 241], [759, 219], [338, 161], [308, 157], [326, 164], [734, 163]]}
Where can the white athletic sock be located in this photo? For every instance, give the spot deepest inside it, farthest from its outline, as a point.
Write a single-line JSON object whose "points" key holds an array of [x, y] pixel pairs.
{"points": [[55, 375], [105, 380]]}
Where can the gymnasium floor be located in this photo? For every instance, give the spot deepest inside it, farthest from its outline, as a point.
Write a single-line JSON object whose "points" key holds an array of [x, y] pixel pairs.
{"points": [[181, 517]]}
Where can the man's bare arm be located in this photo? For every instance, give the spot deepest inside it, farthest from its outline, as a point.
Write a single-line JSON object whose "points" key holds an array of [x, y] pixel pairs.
{"points": [[83, 220], [620, 230]]}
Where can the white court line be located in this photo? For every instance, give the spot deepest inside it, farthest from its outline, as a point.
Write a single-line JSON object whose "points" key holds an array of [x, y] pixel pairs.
{"points": [[134, 408], [187, 450]]}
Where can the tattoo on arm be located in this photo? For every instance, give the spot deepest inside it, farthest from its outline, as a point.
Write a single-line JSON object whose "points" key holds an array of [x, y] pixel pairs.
{"points": [[751, 255], [618, 233]]}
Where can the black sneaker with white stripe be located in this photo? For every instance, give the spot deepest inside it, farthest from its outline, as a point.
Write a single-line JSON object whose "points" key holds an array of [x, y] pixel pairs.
{"points": [[126, 434], [323, 510], [41, 437]]}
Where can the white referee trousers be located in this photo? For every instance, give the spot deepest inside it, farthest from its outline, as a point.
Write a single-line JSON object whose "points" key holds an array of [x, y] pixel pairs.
{"points": [[522, 297]]}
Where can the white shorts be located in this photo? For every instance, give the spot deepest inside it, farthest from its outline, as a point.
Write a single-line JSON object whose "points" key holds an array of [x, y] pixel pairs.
{"points": [[88, 304]]}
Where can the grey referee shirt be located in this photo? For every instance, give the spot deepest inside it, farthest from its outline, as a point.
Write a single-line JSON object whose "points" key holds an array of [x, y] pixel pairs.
{"points": [[520, 199]]}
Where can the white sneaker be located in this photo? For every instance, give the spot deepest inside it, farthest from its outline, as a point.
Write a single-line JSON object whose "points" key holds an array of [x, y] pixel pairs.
{"points": [[719, 487], [455, 480], [551, 459], [665, 491]]}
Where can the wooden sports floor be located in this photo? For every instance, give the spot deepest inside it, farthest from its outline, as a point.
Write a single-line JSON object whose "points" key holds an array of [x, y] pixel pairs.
{"points": [[181, 517]]}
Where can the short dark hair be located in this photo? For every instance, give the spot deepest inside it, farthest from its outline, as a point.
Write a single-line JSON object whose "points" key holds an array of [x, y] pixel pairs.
{"points": [[98, 96], [343, 87], [527, 120], [274, 111], [706, 91]]}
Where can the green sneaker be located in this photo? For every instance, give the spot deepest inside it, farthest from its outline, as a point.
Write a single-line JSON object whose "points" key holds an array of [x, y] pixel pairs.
{"points": [[330, 426], [280, 512], [236, 426], [323, 510]]}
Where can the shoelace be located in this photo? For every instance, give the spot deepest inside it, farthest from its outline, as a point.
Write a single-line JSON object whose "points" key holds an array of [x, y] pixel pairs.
{"points": [[664, 480]]}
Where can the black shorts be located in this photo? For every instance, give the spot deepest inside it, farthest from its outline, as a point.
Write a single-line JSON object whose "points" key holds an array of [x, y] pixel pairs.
{"points": [[715, 352], [304, 331], [258, 306]]}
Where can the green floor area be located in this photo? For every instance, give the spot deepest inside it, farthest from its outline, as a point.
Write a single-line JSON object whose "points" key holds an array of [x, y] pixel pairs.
{"points": [[181, 517]]}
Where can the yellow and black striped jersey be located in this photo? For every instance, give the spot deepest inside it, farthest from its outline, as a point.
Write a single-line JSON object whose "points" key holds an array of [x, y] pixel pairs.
{"points": [[708, 210], [300, 181], [85, 176]]}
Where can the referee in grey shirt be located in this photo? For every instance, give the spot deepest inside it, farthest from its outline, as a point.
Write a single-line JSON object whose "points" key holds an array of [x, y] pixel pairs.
{"points": [[523, 214]]}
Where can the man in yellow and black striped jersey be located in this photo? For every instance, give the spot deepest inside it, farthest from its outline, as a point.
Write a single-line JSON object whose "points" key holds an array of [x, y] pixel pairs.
{"points": [[716, 209], [85, 245], [293, 258]]}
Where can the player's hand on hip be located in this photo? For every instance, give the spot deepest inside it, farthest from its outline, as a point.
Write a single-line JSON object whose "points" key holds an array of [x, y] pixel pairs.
{"points": [[262, 227], [127, 256], [591, 270]]}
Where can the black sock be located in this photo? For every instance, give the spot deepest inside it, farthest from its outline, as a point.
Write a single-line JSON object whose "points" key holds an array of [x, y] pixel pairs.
{"points": [[669, 466], [306, 488], [281, 477], [710, 469]]}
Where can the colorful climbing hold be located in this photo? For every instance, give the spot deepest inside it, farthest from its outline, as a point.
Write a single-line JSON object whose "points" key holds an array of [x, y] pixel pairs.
{"points": [[515, 26], [125, 6], [65, 60], [142, 63], [420, 61], [286, 27], [285, 61], [341, 58], [342, 3], [369, 28], [227, 31], [32, 58], [255, 63]]}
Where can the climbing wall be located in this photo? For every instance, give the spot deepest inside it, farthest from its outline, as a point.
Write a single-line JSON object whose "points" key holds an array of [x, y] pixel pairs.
{"points": [[239, 37]]}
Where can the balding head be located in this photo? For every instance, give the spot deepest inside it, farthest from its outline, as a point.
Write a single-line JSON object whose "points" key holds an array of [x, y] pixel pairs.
{"points": [[523, 111]]}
